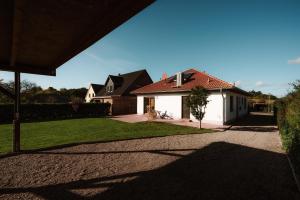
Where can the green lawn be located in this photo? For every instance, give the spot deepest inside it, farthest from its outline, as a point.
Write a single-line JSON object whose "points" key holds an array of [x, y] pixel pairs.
{"points": [[46, 134]]}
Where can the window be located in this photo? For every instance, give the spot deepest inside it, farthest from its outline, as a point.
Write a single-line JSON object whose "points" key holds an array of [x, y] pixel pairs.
{"points": [[231, 103], [109, 89], [89, 95], [245, 102]]}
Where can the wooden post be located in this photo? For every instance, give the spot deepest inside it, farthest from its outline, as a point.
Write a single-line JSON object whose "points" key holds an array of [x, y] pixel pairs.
{"points": [[16, 121]]}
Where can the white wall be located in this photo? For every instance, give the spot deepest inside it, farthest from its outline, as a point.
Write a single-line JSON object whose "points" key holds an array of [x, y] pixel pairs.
{"points": [[163, 102], [214, 110], [140, 105], [89, 95], [170, 103], [243, 108]]}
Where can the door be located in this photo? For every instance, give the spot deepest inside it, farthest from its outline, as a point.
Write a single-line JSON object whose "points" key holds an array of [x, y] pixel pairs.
{"points": [[146, 104], [185, 110], [152, 103], [149, 102]]}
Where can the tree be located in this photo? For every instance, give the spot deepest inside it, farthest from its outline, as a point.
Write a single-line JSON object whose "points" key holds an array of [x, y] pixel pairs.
{"points": [[197, 101], [33, 93]]}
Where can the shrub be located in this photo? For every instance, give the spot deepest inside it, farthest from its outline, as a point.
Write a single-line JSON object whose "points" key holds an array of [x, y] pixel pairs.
{"points": [[280, 107], [288, 118], [41, 112], [293, 112]]}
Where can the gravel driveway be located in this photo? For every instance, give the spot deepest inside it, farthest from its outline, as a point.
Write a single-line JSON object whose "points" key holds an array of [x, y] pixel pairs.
{"points": [[242, 163]]}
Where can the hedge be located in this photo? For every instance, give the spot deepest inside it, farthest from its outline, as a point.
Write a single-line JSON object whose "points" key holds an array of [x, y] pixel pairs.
{"points": [[288, 118], [42, 112]]}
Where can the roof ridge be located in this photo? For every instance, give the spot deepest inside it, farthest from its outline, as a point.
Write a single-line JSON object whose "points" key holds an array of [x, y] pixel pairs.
{"points": [[95, 84], [191, 69], [132, 72], [216, 78]]}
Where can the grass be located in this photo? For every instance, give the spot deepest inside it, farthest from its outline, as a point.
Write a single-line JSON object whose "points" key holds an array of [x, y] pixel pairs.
{"points": [[47, 134]]}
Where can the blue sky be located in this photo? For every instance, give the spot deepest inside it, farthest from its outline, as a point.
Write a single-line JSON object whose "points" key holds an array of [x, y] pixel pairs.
{"points": [[253, 43]]}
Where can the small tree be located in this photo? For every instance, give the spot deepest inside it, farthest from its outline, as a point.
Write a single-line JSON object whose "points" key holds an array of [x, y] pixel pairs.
{"points": [[197, 101]]}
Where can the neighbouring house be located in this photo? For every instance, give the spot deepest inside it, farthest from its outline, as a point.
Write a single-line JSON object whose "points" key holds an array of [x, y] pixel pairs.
{"points": [[117, 91], [92, 91], [226, 101]]}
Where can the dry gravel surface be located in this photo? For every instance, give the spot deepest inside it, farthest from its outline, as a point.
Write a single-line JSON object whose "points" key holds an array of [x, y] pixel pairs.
{"points": [[235, 164]]}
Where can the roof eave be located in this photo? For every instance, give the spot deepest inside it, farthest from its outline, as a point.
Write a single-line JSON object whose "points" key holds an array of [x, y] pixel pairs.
{"points": [[174, 91]]}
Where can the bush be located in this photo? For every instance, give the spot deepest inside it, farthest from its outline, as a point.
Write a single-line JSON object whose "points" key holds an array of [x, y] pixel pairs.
{"points": [[41, 112], [280, 107], [291, 143], [293, 111], [288, 118]]}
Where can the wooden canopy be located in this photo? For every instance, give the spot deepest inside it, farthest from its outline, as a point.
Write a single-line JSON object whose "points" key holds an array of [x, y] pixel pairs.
{"points": [[37, 36]]}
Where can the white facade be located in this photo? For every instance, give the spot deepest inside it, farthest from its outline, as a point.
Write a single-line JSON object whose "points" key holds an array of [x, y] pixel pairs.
{"points": [[213, 110], [90, 94], [217, 111], [239, 109]]}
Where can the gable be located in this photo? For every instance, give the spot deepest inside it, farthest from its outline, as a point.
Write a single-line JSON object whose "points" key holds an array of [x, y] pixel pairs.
{"points": [[125, 83], [90, 91]]}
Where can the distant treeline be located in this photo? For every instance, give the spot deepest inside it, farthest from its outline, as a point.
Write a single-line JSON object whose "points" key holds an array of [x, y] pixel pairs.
{"points": [[32, 93], [259, 101], [259, 95]]}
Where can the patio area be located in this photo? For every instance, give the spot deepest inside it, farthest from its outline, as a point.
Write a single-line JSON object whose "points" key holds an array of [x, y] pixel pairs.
{"points": [[134, 118]]}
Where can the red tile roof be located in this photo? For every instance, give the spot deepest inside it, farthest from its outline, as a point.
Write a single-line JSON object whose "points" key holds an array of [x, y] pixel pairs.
{"points": [[197, 79]]}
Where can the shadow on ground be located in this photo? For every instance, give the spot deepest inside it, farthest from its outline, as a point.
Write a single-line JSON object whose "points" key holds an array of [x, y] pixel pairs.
{"points": [[258, 122], [218, 171]]}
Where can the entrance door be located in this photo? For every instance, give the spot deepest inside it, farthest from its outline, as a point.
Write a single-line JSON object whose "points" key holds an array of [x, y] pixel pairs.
{"points": [[152, 103], [185, 110], [148, 103]]}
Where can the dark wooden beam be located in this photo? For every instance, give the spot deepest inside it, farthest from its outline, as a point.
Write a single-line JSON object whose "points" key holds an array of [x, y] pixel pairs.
{"points": [[28, 69], [16, 30], [16, 122]]}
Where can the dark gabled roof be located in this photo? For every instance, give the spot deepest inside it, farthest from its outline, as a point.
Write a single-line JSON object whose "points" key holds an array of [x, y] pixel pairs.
{"points": [[117, 80], [128, 83], [97, 87]]}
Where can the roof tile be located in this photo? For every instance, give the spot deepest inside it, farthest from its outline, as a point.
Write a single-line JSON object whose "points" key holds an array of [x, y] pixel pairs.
{"points": [[196, 79]]}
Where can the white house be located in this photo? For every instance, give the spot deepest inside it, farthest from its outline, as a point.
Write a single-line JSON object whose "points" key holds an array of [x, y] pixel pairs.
{"points": [[92, 91], [226, 102]]}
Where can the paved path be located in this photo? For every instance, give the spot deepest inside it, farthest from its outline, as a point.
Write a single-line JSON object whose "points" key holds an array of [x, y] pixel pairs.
{"points": [[135, 118], [241, 163]]}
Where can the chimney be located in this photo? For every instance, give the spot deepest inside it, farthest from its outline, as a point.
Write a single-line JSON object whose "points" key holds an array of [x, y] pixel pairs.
{"points": [[178, 79], [164, 76], [208, 80]]}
